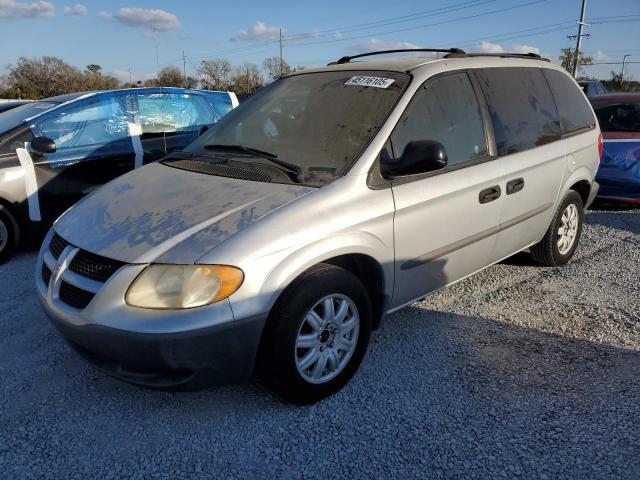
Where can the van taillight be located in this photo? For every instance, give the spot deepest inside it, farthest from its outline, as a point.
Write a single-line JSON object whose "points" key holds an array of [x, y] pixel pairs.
{"points": [[600, 147]]}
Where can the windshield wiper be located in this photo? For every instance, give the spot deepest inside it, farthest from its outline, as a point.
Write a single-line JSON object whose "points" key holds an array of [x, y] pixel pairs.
{"points": [[254, 152]]}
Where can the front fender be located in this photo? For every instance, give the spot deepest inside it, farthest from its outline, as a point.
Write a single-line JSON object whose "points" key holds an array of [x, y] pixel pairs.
{"points": [[264, 286]]}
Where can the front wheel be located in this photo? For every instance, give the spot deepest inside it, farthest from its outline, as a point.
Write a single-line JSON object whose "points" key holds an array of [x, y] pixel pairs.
{"points": [[7, 234], [317, 335], [561, 240]]}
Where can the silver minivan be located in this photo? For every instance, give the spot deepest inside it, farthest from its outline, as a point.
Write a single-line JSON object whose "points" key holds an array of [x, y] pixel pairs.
{"points": [[279, 239]]}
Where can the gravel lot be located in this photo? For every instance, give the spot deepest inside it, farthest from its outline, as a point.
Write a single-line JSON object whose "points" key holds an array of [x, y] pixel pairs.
{"points": [[518, 371]]}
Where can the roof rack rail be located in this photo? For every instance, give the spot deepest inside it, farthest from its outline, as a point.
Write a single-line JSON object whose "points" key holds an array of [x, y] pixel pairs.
{"points": [[450, 51], [530, 55]]}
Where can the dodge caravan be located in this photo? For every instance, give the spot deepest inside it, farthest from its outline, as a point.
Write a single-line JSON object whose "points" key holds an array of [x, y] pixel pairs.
{"points": [[278, 240]]}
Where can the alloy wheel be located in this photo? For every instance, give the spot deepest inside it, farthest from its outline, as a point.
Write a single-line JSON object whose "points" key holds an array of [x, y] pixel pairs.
{"points": [[568, 230], [327, 338]]}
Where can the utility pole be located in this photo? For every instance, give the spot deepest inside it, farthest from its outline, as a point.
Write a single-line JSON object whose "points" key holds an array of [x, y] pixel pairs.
{"points": [[184, 69], [281, 70], [581, 24], [130, 76], [624, 59], [155, 38]]}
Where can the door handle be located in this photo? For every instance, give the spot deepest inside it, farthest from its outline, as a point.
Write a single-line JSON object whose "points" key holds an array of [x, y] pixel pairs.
{"points": [[515, 186], [490, 194]]}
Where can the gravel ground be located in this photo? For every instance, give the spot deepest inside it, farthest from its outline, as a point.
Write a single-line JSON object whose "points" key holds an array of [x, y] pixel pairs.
{"points": [[517, 371]]}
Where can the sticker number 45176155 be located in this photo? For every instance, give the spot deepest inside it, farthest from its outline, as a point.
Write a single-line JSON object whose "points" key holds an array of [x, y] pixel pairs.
{"points": [[363, 81]]}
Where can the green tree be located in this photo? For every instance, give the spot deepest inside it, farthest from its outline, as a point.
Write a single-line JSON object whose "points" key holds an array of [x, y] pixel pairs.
{"points": [[567, 58], [93, 68]]}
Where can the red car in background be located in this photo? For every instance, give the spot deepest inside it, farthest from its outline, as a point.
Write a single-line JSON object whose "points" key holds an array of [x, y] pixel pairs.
{"points": [[619, 172]]}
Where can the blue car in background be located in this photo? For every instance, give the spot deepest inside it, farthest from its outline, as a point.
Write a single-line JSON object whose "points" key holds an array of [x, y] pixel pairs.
{"points": [[619, 172], [57, 150]]}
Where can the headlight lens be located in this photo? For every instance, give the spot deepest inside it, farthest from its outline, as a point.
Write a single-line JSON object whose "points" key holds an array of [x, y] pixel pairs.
{"points": [[183, 286]]}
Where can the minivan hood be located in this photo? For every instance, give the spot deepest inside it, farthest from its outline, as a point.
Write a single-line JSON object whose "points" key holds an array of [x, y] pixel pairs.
{"points": [[166, 215]]}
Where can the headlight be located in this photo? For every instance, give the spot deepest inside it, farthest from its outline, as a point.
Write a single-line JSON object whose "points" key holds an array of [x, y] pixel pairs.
{"points": [[183, 286]]}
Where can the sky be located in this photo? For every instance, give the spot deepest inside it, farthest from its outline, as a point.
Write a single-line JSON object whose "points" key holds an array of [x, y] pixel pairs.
{"points": [[121, 35]]}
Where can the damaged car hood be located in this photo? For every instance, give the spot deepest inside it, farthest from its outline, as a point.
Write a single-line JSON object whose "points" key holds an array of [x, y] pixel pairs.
{"points": [[166, 215]]}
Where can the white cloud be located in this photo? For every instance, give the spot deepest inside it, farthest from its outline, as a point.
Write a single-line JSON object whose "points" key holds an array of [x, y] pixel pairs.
{"points": [[260, 31], [78, 10], [14, 9], [600, 56], [151, 19], [488, 47], [526, 49], [374, 44]]}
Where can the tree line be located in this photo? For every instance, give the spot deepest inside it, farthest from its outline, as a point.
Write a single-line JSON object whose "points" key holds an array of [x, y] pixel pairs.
{"points": [[614, 84], [35, 78]]}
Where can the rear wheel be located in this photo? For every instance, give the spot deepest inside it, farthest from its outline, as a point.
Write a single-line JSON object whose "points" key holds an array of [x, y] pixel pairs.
{"points": [[317, 335], [7, 234], [561, 240]]}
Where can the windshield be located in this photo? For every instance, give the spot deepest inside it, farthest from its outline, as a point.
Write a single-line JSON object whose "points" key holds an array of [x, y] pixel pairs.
{"points": [[319, 122], [623, 117], [14, 117]]}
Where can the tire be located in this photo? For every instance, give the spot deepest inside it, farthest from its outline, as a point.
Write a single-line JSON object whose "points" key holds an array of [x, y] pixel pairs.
{"points": [[283, 367], [548, 251], [7, 234]]}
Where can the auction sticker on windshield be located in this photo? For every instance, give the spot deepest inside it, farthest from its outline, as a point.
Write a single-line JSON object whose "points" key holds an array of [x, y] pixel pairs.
{"points": [[363, 81]]}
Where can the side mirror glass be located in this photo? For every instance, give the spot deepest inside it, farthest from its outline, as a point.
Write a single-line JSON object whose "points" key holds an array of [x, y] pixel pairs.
{"points": [[43, 145], [420, 156]]}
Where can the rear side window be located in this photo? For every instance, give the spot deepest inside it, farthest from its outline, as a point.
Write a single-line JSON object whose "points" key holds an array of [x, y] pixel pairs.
{"points": [[573, 108], [445, 110], [173, 112], [521, 107]]}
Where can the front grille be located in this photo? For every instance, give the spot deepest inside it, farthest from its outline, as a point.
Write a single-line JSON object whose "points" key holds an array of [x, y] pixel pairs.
{"points": [[46, 275], [219, 170], [94, 266], [74, 296], [57, 245], [87, 265]]}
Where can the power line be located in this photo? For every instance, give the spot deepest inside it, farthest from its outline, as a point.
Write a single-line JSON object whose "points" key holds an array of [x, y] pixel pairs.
{"points": [[607, 63], [390, 21], [289, 41], [390, 32]]}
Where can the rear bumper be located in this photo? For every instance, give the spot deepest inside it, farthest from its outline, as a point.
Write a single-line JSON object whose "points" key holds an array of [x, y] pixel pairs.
{"points": [[188, 360], [619, 191]]}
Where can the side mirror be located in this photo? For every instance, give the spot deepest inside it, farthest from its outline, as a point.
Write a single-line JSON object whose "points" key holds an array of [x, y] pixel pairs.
{"points": [[43, 145], [420, 156]]}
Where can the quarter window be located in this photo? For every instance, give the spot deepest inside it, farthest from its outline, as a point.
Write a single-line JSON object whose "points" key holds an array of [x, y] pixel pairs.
{"points": [[445, 110], [573, 108], [522, 110]]}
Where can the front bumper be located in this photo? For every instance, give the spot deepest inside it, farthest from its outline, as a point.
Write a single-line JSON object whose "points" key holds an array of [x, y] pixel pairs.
{"points": [[167, 349], [174, 361]]}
